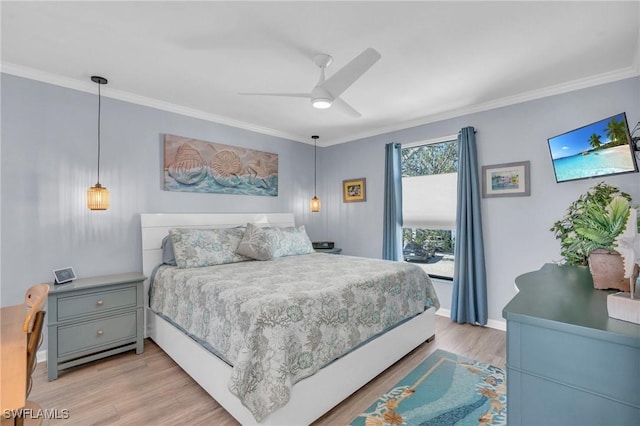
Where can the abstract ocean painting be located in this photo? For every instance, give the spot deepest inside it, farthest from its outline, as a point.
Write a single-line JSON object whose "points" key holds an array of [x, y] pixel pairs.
{"points": [[192, 165]]}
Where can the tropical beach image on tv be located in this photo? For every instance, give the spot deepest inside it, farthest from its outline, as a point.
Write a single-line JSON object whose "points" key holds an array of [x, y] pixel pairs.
{"points": [[598, 149]]}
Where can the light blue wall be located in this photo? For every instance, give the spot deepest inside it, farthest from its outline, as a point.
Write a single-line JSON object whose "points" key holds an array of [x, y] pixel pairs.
{"points": [[48, 159], [49, 149], [517, 236]]}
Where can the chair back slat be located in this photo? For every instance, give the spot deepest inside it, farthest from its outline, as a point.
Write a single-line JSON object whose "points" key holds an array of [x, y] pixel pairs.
{"points": [[34, 299], [34, 340]]}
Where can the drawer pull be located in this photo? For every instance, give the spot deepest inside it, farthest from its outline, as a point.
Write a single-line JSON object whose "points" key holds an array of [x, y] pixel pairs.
{"points": [[99, 303], [100, 332]]}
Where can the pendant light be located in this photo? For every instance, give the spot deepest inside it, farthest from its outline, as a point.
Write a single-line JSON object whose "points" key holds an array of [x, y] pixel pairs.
{"points": [[98, 195], [314, 204]]}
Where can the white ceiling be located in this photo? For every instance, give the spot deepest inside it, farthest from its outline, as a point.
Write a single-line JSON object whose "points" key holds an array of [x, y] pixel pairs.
{"points": [[439, 59]]}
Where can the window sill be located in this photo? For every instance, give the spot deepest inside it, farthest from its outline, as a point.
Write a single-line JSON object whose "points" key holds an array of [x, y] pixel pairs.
{"points": [[434, 278], [441, 280]]}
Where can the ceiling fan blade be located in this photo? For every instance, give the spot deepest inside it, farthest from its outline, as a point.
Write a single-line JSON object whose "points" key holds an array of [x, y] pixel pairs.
{"points": [[345, 107], [288, 95], [347, 75]]}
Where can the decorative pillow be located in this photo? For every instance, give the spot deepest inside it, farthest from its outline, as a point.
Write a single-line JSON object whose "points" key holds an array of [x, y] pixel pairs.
{"points": [[168, 258], [206, 247], [269, 243]]}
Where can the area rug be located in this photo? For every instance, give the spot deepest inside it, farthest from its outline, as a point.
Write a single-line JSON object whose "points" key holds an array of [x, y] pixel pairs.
{"points": [[446, 389]]}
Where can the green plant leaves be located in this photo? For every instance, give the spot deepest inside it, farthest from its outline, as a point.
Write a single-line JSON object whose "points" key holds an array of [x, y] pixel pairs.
{"points": [[593, 221]]}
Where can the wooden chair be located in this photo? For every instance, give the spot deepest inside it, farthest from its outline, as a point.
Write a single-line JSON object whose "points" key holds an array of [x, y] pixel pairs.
{"points": [[35, 299]]}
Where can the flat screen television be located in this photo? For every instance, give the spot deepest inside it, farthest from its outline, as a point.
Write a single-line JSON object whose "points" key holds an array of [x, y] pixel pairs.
{"points": [[597, 149]]}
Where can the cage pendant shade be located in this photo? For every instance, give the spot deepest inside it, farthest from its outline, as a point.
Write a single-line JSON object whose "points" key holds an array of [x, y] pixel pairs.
{"points": [[98, 196], [314, 204]]}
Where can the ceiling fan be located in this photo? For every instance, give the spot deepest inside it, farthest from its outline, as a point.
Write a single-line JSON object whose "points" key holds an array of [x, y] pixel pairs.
{"points": [[326, 93]]}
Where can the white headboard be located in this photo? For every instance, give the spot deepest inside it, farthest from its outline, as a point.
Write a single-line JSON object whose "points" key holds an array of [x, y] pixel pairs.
{"points": [[155, 226]]}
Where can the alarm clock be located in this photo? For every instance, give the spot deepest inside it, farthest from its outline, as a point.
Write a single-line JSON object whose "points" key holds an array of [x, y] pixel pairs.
{"points": [[323, 245]]}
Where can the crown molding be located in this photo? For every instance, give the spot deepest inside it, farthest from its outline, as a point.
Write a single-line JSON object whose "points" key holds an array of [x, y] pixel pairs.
{"points": [[89, 87], [608, 77], [86, 86]]}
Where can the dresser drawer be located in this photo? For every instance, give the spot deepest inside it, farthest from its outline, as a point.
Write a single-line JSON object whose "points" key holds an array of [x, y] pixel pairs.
{"points": [[90, 335], [576, 361], [96, 302]]}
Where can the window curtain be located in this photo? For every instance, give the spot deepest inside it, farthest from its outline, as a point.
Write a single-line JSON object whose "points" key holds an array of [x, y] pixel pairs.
{"points": [[469, 294], [392, 231]]}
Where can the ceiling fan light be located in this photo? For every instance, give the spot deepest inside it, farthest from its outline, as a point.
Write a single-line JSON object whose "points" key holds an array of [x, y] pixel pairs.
{"points": [[321, 103]]}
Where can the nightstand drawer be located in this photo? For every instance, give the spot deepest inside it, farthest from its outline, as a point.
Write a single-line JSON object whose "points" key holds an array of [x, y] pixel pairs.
{"points": [[92, 334], [92, 303]]}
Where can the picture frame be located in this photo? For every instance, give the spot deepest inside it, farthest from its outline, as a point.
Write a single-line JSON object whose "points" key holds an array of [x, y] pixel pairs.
{"points": [[506, 180], [64, 275], [354, 190]]}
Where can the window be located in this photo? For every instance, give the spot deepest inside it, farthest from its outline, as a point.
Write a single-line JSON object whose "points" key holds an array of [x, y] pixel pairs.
{"points": [[429, 203]]}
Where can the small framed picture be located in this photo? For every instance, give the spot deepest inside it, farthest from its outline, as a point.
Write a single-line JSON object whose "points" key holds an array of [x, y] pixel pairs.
{"points": [[506, 180], [354, 190], [64, 275]]}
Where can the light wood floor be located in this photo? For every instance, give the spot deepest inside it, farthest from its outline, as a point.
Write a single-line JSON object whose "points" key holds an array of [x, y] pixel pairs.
{"points": [[150, 389]]}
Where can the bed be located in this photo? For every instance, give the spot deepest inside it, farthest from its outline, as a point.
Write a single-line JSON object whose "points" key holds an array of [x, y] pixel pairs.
{"points": [[310, 397]]}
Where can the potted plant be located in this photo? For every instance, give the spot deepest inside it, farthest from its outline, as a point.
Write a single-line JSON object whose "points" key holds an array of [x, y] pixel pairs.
{"points": [[588, 234]]}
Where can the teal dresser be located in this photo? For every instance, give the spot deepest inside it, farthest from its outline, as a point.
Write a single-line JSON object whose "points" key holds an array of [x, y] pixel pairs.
{"points": [[93, 318], [568, 363]]}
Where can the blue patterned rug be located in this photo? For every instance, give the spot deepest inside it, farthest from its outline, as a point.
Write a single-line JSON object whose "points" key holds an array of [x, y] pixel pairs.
{"points": [[446, 389]]}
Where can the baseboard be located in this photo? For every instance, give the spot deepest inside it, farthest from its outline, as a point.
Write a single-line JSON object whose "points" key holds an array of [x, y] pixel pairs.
{"points": [[497, 324], [41, 356]]}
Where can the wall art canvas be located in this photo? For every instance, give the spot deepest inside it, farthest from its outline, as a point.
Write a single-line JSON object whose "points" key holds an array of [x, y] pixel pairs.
{"points": [[192, 165]]}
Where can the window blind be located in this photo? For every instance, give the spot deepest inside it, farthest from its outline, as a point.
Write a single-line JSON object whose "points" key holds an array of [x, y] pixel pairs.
{"points": [[430, 201]]}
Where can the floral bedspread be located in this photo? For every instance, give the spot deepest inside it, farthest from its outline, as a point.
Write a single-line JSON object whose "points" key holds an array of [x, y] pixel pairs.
{"points": [[280, 321]]}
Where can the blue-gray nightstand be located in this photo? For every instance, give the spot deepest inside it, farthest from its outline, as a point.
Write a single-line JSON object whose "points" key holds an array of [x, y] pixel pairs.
{"points": [[93, 318]]}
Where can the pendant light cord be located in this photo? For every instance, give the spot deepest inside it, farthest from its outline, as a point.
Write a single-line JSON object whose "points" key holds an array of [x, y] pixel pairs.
{"points": [[315, 202], [99, 105]]}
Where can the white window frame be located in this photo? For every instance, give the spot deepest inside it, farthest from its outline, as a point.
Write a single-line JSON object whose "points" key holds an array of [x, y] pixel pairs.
{"points": [[449, 138]]}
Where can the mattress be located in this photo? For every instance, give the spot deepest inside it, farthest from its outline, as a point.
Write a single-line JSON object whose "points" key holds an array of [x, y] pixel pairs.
{"points": [[279, 321]]}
